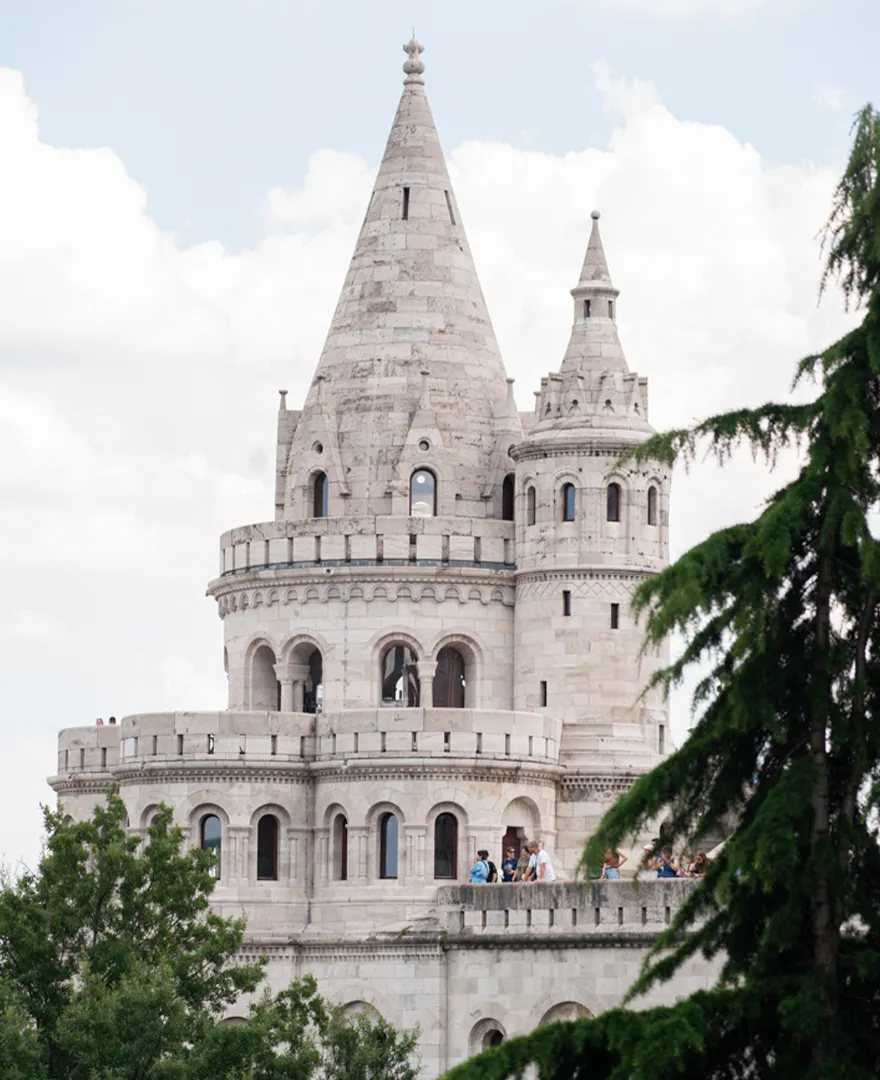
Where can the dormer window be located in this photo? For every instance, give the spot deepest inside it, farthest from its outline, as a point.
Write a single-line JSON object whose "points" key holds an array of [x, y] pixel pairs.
{"points": [[320, 496], [423, 494], [586, 309]]}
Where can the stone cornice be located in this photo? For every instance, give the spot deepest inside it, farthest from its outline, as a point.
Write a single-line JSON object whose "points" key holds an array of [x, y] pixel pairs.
{"points": [[606, 573], [433, 769], [283, 773], [374, 573], [534, 448]]}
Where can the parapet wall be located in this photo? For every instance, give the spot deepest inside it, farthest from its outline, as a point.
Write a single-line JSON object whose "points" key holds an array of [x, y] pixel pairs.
{"points": [[393, 541], [279, 738], [598, 909]]}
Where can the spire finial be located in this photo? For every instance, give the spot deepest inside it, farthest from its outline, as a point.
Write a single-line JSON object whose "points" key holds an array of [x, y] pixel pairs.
{"points": [[595, 215], [413, 66]]}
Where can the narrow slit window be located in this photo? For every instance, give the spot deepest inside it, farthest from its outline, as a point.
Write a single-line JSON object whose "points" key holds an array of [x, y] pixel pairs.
{"points": [[586, 309], [661, 739], [449, 207], [273, 745], [615, 616], [543, 693], [652, 506], [531, 498], [610, 309], [566, 602], [612, 503], [210, 744], [180, 744], [406, 204], [568, 502]]}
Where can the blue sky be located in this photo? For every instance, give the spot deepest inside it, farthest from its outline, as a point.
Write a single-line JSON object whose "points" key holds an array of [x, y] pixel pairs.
{"points": [[211, 102], [180, 189]]}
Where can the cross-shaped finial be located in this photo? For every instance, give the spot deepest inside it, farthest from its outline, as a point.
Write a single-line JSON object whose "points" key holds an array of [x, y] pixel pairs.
{"points": [[413, 65]]}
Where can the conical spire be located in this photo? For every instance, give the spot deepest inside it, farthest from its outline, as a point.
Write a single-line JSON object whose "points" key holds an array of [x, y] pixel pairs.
{"points": [[593, 389], [411, 302], [594, 344]]}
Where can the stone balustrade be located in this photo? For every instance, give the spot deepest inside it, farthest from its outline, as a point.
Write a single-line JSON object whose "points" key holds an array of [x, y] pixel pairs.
{"points": [[601, 908], [390, 541], [276, 737]]}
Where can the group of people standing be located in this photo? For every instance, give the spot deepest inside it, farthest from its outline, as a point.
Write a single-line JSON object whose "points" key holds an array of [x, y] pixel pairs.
{"points": [[655, 864], [531, 864]]}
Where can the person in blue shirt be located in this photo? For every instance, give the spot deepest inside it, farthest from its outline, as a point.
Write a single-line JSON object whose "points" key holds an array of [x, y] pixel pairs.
{"points": [[508, 867]]}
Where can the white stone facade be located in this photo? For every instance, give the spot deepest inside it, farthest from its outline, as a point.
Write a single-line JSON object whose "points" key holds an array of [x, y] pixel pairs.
{"points": [[495, 555]]}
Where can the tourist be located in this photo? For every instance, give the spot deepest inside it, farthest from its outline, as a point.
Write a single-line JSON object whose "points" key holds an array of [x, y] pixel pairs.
{"points": [[480, 870], [99, 722], [543, 868], [667, 864], [112, 720], [493, 869], [611, 865], [523, 865], [648, 871], [508, 866], [699, 866]]}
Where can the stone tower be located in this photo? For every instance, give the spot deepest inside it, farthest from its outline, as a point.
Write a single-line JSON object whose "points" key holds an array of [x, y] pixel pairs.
{"points": [[429, 651], [589, 530]]}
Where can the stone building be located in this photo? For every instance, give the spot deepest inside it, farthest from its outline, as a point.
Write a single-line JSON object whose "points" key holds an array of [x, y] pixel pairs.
{"points": [[430, 650]]}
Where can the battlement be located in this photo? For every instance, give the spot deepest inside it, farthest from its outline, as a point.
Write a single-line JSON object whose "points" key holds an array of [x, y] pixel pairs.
{"points": [[388, 541], [276, 738]]}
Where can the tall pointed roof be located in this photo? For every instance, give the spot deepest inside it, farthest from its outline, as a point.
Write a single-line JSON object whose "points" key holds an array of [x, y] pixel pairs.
{"points": [[594, 343], [411, 302], [594, 389]]}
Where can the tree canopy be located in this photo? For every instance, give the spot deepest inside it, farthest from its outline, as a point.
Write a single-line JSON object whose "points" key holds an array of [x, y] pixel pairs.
{"points": [[783, 612], [113, 966]]}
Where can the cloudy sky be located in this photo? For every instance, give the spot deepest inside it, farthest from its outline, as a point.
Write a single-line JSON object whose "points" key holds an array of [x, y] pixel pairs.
{"points": [[181, 183]]}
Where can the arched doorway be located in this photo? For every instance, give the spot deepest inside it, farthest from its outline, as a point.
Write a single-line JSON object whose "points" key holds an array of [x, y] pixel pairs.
{"points": [[449, 679]]}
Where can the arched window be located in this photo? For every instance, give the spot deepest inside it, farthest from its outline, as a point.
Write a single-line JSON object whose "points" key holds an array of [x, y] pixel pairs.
{"points": [[652, 505], [612, 502], [568, 502], [492, 1038], [267, 848], [320, 495], [388, 833], [340, 847], [449, 680], [531, 499], [446, 846], [423, 494], [265, 687], [507, 490], [400, 677], [210, 838]]}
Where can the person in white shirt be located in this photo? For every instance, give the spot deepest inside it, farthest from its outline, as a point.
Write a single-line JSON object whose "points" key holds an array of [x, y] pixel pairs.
{"points": [[543, 868]]}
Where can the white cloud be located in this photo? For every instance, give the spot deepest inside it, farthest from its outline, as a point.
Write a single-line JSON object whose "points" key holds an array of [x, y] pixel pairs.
{"points": [[828, 97], [31, 627], [138, 376]]}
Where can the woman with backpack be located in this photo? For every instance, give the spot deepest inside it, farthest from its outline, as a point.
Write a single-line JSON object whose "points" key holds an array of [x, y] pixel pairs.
{"points": [[480, 871]]}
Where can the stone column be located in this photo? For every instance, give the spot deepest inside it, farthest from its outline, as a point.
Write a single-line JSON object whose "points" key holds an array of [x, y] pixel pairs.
{"points": [[234, 863], [426, 669], [286, 690], [358, 838], [414, 845]]}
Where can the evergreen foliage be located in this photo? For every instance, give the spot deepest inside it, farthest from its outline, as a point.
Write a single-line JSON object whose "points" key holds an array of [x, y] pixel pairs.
{"points": [[113, 966], [784, 611]]}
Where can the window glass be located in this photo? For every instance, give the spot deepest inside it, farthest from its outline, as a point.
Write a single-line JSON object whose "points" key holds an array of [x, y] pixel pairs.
{"points": [[388, 830], [613, 502], [211, 839], [568, 502], [267, 848], [422, 494]]}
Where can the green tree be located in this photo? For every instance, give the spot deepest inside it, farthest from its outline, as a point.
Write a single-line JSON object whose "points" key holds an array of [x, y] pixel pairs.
{"points": [[784, 611], [113, 966]]}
